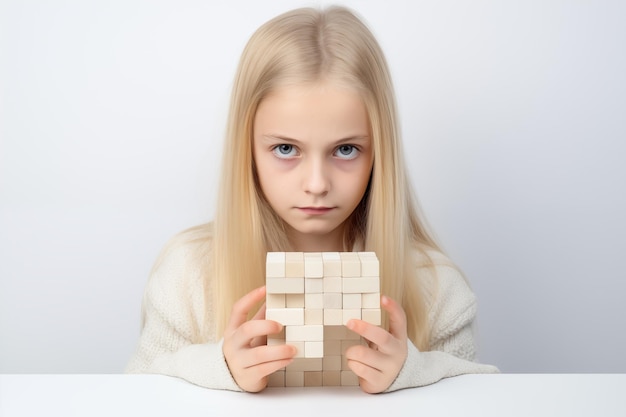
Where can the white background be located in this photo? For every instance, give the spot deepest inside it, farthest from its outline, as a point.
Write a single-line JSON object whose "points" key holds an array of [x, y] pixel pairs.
{"points": [[112, 115]]}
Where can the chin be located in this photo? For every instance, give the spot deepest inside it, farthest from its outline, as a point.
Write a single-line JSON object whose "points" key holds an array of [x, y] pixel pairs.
{"points": [[316, 230]]}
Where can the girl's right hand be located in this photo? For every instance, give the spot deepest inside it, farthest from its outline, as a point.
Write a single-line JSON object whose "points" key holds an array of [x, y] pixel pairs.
{"points": [[248, 357]]}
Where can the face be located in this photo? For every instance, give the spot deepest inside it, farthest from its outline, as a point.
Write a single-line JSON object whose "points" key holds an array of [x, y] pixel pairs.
{"points": [[313, 155]]}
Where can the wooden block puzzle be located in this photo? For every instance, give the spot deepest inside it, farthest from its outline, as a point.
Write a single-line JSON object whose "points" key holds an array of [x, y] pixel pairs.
{"points": [[314, 294]]}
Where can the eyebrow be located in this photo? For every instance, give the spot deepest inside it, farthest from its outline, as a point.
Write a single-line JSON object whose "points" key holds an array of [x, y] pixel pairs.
{"points": [[357, 138]]}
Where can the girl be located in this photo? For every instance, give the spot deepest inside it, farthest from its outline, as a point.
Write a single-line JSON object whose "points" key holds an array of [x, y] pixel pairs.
{"points": [[313, 162]]}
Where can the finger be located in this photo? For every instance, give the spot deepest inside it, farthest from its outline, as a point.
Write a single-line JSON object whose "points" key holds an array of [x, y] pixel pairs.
{"points": [[374, 359], [377, 335], [242, 307], [367, 375], [255, 377], [264, 369], [371, 358], [248, 331], [260, 314], [372, 368], [262, 340], [265, 354], [397, 317], [267, 368]]}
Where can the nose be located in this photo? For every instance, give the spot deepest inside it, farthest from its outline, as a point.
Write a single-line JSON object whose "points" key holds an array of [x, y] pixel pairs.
{"points": [[316, 180]]}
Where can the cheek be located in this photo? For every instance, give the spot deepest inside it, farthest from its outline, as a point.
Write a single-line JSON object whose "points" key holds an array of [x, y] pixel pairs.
{"points": [[364, 171], [366, 175], [272, 179], [264, 167], [354, 182]]}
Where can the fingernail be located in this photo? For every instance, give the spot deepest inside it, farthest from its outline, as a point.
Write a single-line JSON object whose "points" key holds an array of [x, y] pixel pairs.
{"points": [[350, 324], [384, 299]]}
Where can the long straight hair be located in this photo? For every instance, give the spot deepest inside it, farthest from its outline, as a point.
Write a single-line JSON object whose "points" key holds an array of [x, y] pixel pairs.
{"points": [[306, 46]]}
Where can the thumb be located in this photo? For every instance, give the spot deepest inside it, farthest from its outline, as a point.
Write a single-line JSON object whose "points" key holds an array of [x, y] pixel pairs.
{"points": [[242, 307]]}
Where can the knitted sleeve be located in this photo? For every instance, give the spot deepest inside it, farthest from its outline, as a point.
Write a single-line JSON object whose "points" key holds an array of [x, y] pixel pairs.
{"points": [[173, 308], [452, 338]]}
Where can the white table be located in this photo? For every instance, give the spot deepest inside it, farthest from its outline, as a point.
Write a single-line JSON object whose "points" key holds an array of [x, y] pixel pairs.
{"points": [[469, 395]]}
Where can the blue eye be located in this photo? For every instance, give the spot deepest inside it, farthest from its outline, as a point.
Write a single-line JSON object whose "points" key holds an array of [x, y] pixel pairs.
{"points": [[347, 152], [284, 151]]}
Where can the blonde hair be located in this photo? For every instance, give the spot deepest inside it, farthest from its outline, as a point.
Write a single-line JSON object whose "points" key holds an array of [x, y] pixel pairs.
{"points": [[307, 46]]}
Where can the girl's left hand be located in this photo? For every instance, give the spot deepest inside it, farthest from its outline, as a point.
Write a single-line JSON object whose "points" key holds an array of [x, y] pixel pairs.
{"points": [[378, 364]]}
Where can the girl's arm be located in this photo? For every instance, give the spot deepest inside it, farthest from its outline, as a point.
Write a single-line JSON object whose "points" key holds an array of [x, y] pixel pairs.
{"points": [[173, 308], [178, 337], [391, 361], [452, 338]]}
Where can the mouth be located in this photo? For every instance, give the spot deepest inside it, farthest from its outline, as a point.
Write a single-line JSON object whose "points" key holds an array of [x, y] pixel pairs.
{"points": [[315, 210]]}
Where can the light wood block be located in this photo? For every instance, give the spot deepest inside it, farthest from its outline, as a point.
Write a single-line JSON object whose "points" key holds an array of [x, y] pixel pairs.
{"points": [[313, 379], [349, 314], [275, 265], [313, 316], [300, 349], [349, 378], [339, 333], [332, 264], [350, 335], [335, 332], [361, 285], [295, 379], [331, 362], [350, 264], [294, 300], [351, 301], [313, 332], [371, 315], [284, 285], [332, 347], [275, 301], [345, 344], [276, 379], [314, 300], [275, 342], [370, 266], [333, 316], [331, 378], [305, 364], [333, 300], [286, 316], [313, 265], [314, 349], [370, 300], [294, 265], [333, 284], [313, 285]]}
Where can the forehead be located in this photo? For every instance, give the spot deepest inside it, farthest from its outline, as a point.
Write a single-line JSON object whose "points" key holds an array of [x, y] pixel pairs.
{"points": [[320, 106]]}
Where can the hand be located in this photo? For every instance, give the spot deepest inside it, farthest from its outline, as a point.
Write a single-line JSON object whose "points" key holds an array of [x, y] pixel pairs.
{"points": [[248, 357], [378, 364]]}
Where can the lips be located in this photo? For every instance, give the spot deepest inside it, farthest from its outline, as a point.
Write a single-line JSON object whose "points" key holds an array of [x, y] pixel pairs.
{"points": [[315, 210]]}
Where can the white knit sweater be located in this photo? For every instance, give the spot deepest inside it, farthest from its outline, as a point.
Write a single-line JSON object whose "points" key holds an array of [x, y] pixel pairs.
{"points": [[174, 307]]}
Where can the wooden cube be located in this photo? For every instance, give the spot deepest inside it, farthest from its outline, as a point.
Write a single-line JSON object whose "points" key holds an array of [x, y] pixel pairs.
{"points": [[313, 294]]}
